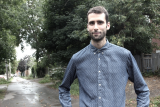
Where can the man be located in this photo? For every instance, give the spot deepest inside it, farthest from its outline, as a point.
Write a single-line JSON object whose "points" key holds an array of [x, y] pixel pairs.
{"points": [[102, 69]]}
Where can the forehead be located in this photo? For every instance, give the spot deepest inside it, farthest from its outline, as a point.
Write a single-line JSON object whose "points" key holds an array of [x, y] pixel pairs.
{"points": [[96, 17]]}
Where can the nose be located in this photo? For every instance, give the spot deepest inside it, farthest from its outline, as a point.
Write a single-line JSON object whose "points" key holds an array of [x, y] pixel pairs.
{"points": [[95, 26]]}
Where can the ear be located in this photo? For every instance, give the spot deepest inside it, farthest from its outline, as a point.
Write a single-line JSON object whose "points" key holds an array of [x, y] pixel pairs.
{"points": [[108, 26]]}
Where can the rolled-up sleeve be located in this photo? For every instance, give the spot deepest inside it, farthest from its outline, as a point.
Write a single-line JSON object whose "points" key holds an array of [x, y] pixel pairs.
{"points": [[140, 85], [64, 88]]}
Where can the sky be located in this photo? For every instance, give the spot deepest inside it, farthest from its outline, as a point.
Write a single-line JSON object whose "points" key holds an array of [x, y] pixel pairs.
{"points": [[27, 51]]}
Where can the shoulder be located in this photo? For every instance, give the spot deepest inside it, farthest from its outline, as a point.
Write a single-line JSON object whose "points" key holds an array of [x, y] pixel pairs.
{"points": [[115, 49], [83, 52]]}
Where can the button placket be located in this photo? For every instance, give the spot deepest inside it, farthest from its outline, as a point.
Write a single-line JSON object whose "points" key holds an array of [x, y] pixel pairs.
{"points": [[99, 78]]}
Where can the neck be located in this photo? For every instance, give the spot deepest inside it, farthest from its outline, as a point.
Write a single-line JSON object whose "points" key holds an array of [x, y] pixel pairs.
{"points": [[99, 44]]}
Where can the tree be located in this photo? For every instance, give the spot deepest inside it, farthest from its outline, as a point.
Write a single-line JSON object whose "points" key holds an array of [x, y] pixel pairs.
{"points": [[9, 29], [32, 24], [133, 25], [63, 20]]}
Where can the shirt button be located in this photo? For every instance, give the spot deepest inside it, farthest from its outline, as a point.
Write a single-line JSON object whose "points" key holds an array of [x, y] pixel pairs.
{"points": [[99, 58], [99, 84], [99, 97], [99, 71], [102, 52], [94, 53]]}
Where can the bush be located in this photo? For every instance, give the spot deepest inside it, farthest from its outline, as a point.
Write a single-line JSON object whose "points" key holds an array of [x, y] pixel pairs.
{"points": [[58, 75], [40, 71], [3, 81], [151, 73], [46, 79]]}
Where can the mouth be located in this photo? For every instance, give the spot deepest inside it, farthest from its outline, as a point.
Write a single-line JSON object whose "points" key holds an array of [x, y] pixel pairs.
{"points": [[96, 33]]}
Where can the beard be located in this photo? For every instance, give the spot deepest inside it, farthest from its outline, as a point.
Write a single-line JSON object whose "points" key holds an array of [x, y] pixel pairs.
{"points": [[97, 38]]}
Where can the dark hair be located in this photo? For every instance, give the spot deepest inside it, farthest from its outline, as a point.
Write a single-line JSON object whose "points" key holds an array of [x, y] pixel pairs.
{"points": [[99, 10]]}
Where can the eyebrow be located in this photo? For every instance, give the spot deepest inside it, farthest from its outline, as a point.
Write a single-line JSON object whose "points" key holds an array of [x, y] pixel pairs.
{"points": [[96, 21]]}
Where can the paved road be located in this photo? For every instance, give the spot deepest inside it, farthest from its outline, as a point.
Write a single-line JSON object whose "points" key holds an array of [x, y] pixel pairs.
{"points": [[26, 93]]}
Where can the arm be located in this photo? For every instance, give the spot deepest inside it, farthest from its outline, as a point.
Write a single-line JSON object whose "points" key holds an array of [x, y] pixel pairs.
{"points": [[140, 85], [64, 88]]}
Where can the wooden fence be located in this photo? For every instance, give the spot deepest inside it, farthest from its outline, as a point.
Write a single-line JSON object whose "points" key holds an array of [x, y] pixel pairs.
{"points": [[148, 62]]}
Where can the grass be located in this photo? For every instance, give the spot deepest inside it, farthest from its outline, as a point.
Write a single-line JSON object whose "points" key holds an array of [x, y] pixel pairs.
{"points": [[3, 81], [46, 79], [154, 102], [2, 93], [28, 77], [74, 87]]}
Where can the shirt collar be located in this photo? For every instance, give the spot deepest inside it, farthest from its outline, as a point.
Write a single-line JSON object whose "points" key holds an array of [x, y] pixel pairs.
{"points": [[94, 49]]}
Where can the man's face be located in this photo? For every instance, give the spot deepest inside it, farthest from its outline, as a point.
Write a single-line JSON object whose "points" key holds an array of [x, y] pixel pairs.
{"points": [[97, 26]]}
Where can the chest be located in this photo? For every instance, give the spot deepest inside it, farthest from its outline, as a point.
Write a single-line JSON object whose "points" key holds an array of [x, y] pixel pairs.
{"points": [[107, 64]]}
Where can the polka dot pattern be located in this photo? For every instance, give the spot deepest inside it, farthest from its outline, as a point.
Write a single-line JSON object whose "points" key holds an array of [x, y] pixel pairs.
{"points": [[103, 75]]}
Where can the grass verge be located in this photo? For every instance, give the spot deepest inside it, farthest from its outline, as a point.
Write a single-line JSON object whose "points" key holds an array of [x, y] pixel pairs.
{"points": [[3, 90], [74, 87], [46, 79], [155, 102], [3, 81], [2, 93], [28, 77]]}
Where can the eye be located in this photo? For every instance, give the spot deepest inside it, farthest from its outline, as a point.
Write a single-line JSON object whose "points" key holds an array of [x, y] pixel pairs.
{"points": [[91, 23], [100, 22]]}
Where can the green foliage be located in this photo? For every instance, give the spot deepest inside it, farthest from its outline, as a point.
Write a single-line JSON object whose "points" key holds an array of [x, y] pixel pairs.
{"points": [[40, 72], [58, 75], [46, 79], [133, 25], [14, 65], [155, 102], [28, 77], [9, 30], [75, 88], [2, 68], [2, 93], [65, 23], [3, 81], [151, 73]]}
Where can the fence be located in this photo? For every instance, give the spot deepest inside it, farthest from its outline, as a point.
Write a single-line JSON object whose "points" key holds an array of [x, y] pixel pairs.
{"points": [[148, 62]]}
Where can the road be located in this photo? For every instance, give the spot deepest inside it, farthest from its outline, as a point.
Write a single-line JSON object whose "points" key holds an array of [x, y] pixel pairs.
{"points": [[27, 93]]}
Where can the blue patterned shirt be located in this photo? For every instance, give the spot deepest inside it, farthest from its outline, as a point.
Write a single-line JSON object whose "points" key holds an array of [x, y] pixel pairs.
{"points": [[103, 75]]}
